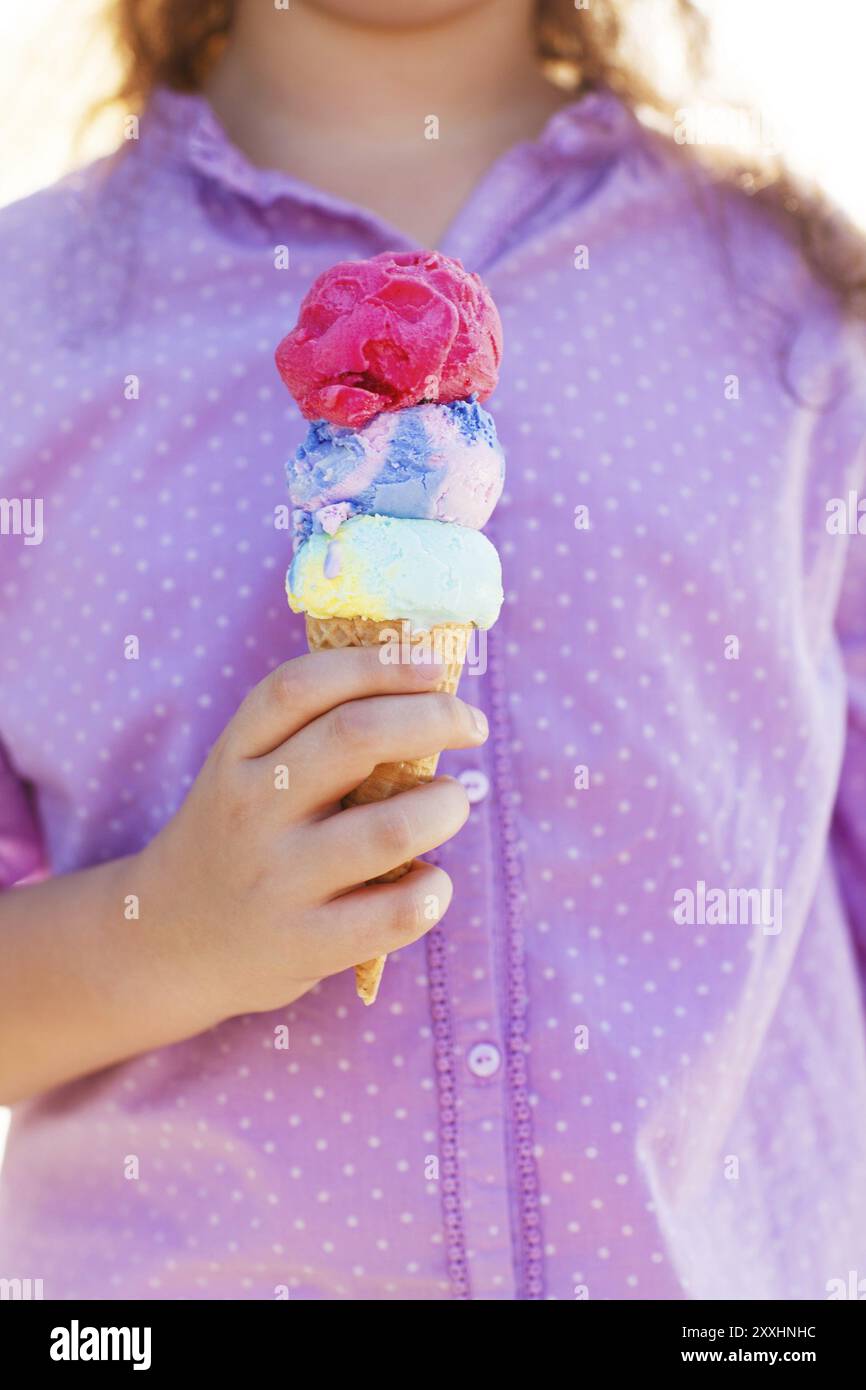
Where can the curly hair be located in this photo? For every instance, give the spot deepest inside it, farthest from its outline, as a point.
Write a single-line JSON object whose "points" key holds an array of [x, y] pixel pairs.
{"points": [[173, 43]]}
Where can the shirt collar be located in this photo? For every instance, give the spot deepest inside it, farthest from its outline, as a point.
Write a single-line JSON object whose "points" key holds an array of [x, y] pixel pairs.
{"points": [[183, 127]]}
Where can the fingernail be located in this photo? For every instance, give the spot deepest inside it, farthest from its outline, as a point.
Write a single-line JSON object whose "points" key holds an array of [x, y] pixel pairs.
{"points": [[479, 719]]}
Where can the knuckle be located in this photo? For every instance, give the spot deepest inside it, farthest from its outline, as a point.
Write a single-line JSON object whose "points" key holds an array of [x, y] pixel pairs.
{"points": [[373, 660], [287, 682], [395, 834], [446, 709], [437, 715], [351, 723], [241, 802], [409, 920]]}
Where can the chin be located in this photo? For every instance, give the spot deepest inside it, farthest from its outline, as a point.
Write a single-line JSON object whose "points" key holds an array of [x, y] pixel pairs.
{"points": [[396, 13]]}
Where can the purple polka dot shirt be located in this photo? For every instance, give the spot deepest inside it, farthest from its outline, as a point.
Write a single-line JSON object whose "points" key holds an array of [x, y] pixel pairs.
{"points": [[630, 1063]]}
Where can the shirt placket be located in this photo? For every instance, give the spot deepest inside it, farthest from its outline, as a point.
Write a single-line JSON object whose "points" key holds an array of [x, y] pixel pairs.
{"points": [[479, 999], [466, 993]]}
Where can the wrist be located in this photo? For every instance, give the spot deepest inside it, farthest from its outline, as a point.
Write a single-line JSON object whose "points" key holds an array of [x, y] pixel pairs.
{"points": [[165, 963]]}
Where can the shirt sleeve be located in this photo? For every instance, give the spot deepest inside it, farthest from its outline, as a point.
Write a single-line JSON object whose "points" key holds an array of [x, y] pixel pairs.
{"points": [[22, 857]]}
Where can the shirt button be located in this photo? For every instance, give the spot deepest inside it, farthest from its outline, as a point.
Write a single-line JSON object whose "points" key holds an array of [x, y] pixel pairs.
{"points": [[475, 783], [484, 1059]]}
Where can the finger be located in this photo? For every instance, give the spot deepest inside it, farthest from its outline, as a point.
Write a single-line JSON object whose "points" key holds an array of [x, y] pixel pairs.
{"points": [[375, 920], [333, 754], [304, 688], [358, 844]]}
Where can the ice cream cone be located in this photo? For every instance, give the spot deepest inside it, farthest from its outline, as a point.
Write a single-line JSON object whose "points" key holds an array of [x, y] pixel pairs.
{"points": [[446, 642], [399, 472]]}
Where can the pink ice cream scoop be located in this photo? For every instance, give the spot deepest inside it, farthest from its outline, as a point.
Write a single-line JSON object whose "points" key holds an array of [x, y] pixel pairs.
{"points": [[391, 332]]}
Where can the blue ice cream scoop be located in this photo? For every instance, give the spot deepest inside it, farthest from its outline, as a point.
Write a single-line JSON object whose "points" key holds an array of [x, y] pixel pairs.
{"points": [[430, 462]]}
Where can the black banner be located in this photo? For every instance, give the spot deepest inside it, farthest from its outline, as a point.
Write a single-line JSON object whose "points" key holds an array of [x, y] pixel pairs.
{"points": [[219, 1337]]}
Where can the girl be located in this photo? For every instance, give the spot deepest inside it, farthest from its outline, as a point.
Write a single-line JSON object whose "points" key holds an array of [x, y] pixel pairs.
{"points": [[631, 1061]]}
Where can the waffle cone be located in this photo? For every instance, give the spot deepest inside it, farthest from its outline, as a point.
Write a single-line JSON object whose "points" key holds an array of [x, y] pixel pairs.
{"points": [[448, 643]]}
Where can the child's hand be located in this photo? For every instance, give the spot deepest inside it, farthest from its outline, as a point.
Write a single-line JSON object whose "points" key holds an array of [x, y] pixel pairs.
{"points": [[253, 885]]}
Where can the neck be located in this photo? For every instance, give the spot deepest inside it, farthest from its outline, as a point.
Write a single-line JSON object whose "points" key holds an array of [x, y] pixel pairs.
{"points": [[345, 104]]}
